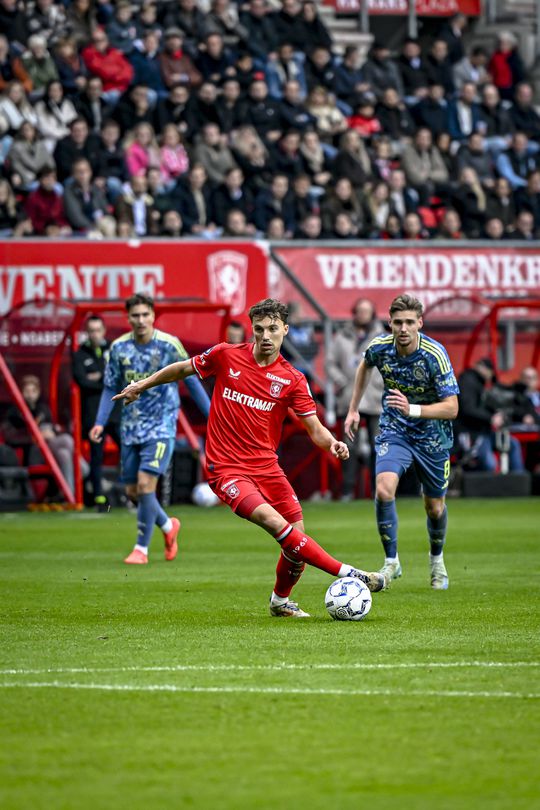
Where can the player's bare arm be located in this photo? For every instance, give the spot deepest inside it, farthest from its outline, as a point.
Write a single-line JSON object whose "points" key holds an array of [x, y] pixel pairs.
{"points": [[447, 408], [321, 436], [361, 380], [168, 374]]}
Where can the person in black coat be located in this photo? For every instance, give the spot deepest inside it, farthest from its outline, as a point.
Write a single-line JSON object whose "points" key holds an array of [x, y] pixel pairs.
{"points": [[88, 367], [320, 69], [395, 119], [285, 156], [349, 82], [432, 112], [262, 112], [276, 201], [134, 108], [494, 120], [523, 114], [91, 106], [293, 113], [413, 71], [232, 195], [288, 24], [528, 199], [315, 34], [78, 144], [262, 38], [201, 109], [230, 108], [174, 109], [439, 67], [452, 34], [192, 198]]}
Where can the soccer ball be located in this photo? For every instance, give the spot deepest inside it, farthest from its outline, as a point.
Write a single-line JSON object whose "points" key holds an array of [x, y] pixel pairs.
{"points": [[348, 600], [202, 495]]}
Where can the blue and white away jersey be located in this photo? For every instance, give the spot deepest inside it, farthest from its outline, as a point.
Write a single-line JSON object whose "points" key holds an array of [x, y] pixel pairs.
{"points": [[425, 376], [154, 415]]}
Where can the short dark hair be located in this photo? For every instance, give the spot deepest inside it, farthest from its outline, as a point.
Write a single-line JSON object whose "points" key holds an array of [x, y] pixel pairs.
{"points": [[405, 302], [139, 298], [269, 308], [94, 317]]}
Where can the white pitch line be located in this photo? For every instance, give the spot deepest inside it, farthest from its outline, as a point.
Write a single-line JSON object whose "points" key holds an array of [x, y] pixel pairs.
{"points": [[270, 690], [281, 667]]}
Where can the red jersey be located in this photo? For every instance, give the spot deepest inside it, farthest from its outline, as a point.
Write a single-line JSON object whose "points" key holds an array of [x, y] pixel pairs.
{"points": [[249, 405]]}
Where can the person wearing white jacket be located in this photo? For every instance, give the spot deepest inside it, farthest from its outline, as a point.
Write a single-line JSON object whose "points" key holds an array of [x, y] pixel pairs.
{"points": [[54, 113]]}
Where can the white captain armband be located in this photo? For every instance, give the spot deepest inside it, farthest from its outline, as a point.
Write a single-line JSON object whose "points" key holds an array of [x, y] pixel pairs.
{"points": [[415, 411]]}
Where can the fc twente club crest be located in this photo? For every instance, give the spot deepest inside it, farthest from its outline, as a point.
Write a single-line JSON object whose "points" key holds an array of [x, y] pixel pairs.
{"points": [[275, 389]]}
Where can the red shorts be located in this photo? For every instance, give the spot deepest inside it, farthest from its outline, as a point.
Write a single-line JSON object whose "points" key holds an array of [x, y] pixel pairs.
{"points": [[243, 492]]}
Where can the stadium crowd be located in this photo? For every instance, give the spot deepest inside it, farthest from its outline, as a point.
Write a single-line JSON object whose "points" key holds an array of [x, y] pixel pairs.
{"points": [[181, 118]]}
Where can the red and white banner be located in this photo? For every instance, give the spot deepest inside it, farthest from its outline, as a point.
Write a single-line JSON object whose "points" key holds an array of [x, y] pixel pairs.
{"points": [[424, 8], [223, 273], [336, 276]]}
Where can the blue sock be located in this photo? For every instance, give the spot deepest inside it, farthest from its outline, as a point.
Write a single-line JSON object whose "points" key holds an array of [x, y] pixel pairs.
{"points": [[437, 533], [161, 516], [146, 517], [387, 522]]}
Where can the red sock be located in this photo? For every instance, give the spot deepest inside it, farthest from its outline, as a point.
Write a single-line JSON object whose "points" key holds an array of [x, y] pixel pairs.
{"points": [[287, 575], [299, 546]]}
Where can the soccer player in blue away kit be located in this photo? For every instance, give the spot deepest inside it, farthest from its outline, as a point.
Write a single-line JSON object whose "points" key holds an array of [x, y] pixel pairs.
{"points": [[419, 404], [147, 429]]}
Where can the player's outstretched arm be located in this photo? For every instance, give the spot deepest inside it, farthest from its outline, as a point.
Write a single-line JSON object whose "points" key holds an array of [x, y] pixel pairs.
{"points": [[352, 420], [447, 408], [322, 437], [168, 374]]}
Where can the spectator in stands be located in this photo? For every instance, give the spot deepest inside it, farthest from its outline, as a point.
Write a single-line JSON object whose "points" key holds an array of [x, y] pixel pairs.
{"points": [[343, 228], [257, 22], [88, 367], [251, 155], [330, 121], [413, 72], [528, 385], [146, 64], [86, 205], [469, 200], [352, 160], [47, 18], [494, 229], [474, 155], [232, 194], [381, 72], [17, 433], [141, 149], [305, 201], [292, 109], [39, 65], [320, 69], [55, 113], [528, 199], [15, 109], [121, 30], [45, 207], [174, 110], [11, 68], [382, 161], [403, 199], [494, 120], [275, 201], [110, 165], [500, 204], [463, 113], [215, 61], [213, 154], [439, 67], [109, 64], [349, 82], [376, 208], [262, 112], [450, 226], [136, 206], [235, 332], [288, 24], [134, 108], [276, 230], [523, 227], [174, 160], [172, 225], [505, 66], [522, 112], [146, 19], [424, 167], [452, 34], [395, 119], [481, 418], [314, 32], [91, 105], [70, 66], [27, 155], [364, 119], [12, 222], [223, 19], [287, 66], [392, 228], [516, 163], [230, 108], [316, 162], [201, 109], [310, 228], [237, 226], [245, 71], [285, 155], [413, 227], [432, 111], [192, 199], [346, 352], [78, 144], [185, 15], [472, 68], [342, 198], [13, 24], [177, 66], [81, 21]]}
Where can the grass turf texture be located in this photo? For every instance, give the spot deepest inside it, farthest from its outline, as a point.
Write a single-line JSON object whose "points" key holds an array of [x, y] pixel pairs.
{"points": [[298, 713]]}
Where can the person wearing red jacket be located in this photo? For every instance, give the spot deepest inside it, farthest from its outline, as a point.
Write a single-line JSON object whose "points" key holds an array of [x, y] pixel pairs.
{"points": [[45, 208], [109, 64]]}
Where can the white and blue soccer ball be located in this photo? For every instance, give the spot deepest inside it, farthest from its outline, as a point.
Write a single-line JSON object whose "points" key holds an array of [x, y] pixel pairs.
{"points": [[202, 495], [348, 600]]}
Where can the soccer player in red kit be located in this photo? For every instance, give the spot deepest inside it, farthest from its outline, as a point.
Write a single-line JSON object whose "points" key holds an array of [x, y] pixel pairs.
{"points": [[254, 387]]}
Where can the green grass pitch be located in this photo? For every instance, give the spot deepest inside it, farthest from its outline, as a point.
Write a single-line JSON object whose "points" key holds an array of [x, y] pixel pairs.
{"points": [[169, 686]]}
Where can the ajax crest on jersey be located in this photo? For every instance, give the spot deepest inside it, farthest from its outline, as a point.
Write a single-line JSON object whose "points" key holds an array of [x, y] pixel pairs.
{"points": [[382, 449], [348, 600], [202, 495]]}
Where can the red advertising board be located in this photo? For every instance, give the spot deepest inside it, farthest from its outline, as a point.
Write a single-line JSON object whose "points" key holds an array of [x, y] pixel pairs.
{"points": [[232, 273], [424, 8], [337, 276]]}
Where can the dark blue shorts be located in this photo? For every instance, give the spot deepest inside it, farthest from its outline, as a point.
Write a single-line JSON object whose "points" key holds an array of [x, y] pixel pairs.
{"points": [[396, 455], [151, 457]]}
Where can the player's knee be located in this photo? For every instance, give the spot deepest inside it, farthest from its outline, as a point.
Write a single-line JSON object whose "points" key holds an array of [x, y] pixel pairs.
{"points": [[435, 509], [384, 492]]}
